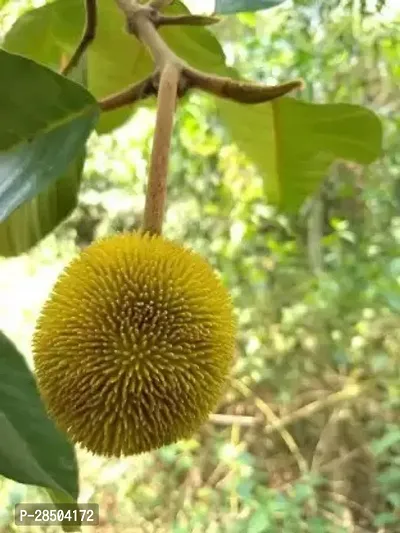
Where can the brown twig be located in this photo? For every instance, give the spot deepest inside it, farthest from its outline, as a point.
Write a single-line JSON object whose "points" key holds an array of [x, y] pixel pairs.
{"points": [[240, 91], [88, 36], [273, 420], [221, 419], [187, 20], [157, 184], [349, 392], [131, 95]]}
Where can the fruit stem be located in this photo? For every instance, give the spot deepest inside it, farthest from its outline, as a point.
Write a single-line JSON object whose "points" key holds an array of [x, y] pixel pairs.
{"points": [[157, 184]]}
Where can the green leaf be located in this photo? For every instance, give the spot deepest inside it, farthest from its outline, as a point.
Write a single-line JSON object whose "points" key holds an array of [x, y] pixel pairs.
{"points": [[390, 477], [196, 45], [394, 499], [236, 6], [32, 450], [392, 300], [43, 129], [391, 438], [259, 522], [386, 519], [115, 60], [35, 219], [35, 100], [293, 143], [394, 267]]}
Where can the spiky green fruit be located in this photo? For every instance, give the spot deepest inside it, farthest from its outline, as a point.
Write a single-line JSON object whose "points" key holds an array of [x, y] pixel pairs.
{"points": [[134, 345]]}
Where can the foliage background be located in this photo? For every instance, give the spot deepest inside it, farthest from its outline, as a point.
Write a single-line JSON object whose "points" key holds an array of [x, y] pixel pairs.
{"points": [[310, 439]]}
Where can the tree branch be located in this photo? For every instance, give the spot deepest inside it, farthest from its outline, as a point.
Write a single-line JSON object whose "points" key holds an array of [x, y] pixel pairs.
{"points": [[143, 20], [131, 95], [88, 36], [350, 392], [187, 20], [143, 27], [239, 91], [157, 184], [229, 420]]}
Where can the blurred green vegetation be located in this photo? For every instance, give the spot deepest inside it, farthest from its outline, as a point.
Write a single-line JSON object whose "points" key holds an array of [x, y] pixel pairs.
{"points": [[307, 437]]}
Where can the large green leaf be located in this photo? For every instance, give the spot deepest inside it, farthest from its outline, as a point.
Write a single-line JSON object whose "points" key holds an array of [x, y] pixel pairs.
{"points": [[46, 120], [236, 6], [32, 450], [115, 59], [293, 143], [34, 100], [36, 218]]}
